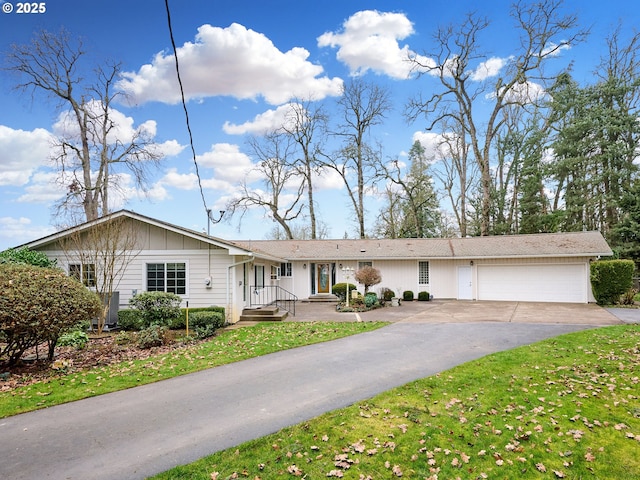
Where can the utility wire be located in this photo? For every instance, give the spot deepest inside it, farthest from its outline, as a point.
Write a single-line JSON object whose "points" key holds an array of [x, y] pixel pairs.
{"points": [[184, 106]]}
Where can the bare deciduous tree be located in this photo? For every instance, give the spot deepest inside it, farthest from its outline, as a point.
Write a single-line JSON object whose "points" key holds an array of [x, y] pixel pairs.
{"points": [[102, 253], [307, 128], [93, 149], [460, 67], [283, 191], [362, 106]]}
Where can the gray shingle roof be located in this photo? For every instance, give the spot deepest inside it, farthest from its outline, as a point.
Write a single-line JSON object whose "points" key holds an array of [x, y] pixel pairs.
{"points": [[537, 245]]}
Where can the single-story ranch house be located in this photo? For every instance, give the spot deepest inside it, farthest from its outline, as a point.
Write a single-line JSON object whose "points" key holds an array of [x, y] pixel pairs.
{"points": [[205, 270]]}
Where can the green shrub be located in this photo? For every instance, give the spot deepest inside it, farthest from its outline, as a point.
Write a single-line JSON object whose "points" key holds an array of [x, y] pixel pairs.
{"points": [[387, 294], [157, 308], [204, 318], [129, 319], [180, 322], [407, 296], [38, 305], [125, 338], [26, 256], [340, 290], [610, 279], [423, 296], [370, 299], [152, 336], [74, 338]]}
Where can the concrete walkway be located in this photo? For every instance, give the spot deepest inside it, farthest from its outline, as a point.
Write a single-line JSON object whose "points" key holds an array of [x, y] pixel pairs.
{"points": [[142, 431], [452, 311]]}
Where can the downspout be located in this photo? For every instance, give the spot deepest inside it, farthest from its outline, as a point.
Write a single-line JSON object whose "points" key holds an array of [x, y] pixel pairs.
{"points": [[227, 310]]}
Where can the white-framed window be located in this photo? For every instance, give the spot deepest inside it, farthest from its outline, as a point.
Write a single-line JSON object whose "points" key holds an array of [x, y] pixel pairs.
{"points": [[83, 272], [364, 264], [275, 272], [286, 269], [168, 277], [423, 273]]}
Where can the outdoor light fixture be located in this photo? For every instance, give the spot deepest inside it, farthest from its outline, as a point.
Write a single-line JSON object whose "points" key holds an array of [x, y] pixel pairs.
{"points": [[347, 273]]}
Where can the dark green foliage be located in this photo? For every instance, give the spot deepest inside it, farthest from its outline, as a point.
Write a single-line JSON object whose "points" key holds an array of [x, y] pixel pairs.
{"points": [[38, 305], [26, 256], [152, 336], [340, 290], [205, 323], [130, 319], [157, 308], [387, 294], [407, 296], [75, 338], [610, 279], [423, 296], [370, 299], [180, 322], [625, 236]]}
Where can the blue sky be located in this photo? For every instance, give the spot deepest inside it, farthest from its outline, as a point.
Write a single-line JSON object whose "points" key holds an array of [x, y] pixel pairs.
{"points": [[237, 56]]}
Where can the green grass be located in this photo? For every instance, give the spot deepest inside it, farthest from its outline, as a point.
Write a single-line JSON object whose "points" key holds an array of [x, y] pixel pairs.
{"points": [[229, 346], [568, 407]]}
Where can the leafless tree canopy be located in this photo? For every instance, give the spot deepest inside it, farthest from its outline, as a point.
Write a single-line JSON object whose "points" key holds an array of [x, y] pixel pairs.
{"points": [[93, 153]]}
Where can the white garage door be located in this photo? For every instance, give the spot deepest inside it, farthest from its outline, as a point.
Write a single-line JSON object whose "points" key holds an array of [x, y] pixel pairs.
{"points": [[533, 283]]}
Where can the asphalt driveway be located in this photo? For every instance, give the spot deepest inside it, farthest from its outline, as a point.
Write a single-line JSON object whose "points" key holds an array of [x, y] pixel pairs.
{"points": [[138, 432]]}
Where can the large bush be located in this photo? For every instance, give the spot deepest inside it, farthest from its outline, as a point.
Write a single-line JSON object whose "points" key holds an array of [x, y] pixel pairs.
{"points": [[610, 279], [340, 290], [26, 256], [38, 305], [180, 322], [156, 308], [205, 323]]}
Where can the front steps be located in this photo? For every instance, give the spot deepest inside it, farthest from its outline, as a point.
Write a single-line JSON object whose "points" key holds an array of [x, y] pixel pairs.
{"points": [[322, 298], [269, 313]]}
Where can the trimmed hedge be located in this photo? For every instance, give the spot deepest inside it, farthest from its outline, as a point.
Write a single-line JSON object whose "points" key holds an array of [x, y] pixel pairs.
{"points": [[131, 319], [340, 290], [407, 296], [424, 296], [610, 279], [180, 323]]}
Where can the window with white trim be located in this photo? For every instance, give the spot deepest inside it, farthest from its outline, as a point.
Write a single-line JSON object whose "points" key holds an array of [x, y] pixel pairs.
{"points": [[423, 273], [167, 277], [83, 272], [285, 269]]}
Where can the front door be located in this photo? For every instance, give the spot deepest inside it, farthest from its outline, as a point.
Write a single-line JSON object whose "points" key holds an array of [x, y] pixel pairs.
{"points": [[464, 283], [323, 277]]}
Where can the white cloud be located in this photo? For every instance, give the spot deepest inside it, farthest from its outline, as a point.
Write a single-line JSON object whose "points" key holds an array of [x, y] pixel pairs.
{"points": [[170, 148], [233, 61], [525, 92], [122, 128], [437, 146], [489, 68], [269, 121], [21, 153], [327, 179], [369, 41], [181, 181], [228, 162], [21, 230], [44, 189]]}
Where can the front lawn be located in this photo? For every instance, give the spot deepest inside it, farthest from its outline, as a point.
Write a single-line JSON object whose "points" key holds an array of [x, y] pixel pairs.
{"points": [[568, 407], [66, 383]]}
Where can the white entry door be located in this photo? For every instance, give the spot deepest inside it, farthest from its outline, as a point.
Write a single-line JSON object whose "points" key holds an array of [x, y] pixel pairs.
{"points": [[464, 283]]}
